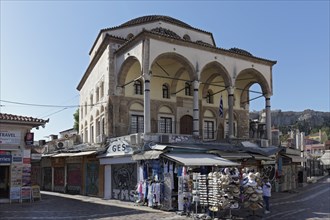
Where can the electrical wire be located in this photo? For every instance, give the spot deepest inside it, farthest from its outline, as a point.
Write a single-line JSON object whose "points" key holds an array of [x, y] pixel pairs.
{"points": [[50, 106]]}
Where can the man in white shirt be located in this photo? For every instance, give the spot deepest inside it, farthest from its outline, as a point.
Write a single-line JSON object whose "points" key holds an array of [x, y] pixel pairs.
{"points": [[266, 189]]}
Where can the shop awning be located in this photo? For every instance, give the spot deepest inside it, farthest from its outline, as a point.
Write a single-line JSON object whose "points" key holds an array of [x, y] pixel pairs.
{"points": [[231, 155], [47, 155], [74, 154], [295, 158], [147, 155], [84, 153], [261, 157], [199, 159], [62, 155]]}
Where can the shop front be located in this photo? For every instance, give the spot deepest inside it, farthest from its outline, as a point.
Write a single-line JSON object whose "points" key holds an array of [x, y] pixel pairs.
{"points": [[120, 171], [46, 172], [74, 175], [5, 162], [189, 182], [289, 165], [92, 178], [58, 166], [16, 142]]}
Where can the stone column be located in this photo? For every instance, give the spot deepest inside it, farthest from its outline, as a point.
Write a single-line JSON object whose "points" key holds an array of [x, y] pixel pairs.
{"points": [[230, 111], [268, 119], [196, 110], [146, 76]]}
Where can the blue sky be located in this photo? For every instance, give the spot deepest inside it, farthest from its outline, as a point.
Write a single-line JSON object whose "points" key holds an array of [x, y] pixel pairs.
{"points": [[45, 46]]}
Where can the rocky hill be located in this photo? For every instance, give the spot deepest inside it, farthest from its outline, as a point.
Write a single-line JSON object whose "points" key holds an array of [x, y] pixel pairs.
{"points": [[307, 118]]}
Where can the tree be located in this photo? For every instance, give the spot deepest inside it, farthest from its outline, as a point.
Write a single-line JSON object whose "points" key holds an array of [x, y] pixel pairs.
{"points": [[76, 120]]}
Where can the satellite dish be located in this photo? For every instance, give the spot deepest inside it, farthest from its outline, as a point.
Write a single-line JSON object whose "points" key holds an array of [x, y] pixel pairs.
{"points": [[60, 145]]}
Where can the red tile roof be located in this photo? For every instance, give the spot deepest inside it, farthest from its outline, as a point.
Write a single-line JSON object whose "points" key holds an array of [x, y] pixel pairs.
{"points": [[21, 119]]}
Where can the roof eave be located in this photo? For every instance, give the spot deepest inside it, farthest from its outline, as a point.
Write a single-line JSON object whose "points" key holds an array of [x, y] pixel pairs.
{"points": [[150, 34]]}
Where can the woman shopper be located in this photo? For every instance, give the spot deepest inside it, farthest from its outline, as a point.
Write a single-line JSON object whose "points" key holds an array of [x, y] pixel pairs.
{"points": [[266, 190]]}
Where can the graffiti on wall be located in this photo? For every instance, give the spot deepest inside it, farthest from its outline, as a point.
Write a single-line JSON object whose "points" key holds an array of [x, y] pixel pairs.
{"points": [[124, 181], [92, 179]]}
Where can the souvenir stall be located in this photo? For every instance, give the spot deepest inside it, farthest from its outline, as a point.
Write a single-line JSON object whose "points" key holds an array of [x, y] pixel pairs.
{"points": [[180, 181], [155, 180], [206, 183], [251, 186]]}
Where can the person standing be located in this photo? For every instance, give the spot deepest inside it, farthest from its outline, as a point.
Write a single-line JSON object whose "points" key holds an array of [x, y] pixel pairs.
{"points": [[266, 190]]}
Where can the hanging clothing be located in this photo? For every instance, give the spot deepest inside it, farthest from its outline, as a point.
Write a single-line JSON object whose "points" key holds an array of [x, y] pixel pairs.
{"points": [[165, 166], [141, 178], [157, 193]]}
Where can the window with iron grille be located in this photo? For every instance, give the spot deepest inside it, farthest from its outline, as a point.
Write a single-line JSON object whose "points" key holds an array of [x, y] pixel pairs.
{"points": [[208, 129], [137, 124], [165, 125], [138, 90], [209, 97], [166, 91], [187, 89]]}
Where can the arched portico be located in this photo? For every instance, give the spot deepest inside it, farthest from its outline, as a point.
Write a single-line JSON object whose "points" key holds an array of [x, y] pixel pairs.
{"points": [[245, 79]]}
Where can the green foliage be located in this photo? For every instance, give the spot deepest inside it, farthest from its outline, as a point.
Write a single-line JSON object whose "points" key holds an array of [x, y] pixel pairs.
{"points": [[76, 120]]}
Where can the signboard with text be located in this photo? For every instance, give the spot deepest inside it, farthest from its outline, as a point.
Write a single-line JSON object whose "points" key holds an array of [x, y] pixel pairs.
{"points": [[10, 137], [5, 159], [119, 147]]}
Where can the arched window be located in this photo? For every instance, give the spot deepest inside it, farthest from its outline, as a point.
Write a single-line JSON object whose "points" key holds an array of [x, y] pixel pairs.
{"points": [[186, 37], [138, 90], [91, 100], [209, 97], [81, 112], [166, 91], [129, 36], [102, 89], [97, 94], [187, 89]]}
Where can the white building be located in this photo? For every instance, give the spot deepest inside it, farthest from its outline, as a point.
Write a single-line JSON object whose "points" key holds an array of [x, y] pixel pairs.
{"points": [[157, 74]]}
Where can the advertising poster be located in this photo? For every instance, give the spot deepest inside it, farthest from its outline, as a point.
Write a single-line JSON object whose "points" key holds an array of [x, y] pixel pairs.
{"points": [[15, 193], [26, 193], [16, 175], [27, 156], [26, 175]]}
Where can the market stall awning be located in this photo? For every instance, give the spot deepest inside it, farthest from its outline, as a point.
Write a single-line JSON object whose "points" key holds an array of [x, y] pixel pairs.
{"points": [[147, 155], [295, 158], [261, 157], [231, 155], [194, 159]]}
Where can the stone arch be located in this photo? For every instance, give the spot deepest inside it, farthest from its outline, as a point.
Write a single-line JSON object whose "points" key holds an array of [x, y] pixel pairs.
{"points": [[165, 109], [223, 72], [208, 113], [124, 69], [135, 105], [254, 76], [181, 65]]}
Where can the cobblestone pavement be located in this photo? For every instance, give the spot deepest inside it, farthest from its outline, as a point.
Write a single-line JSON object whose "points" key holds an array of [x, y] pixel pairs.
{"points": [[64, 206]]}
